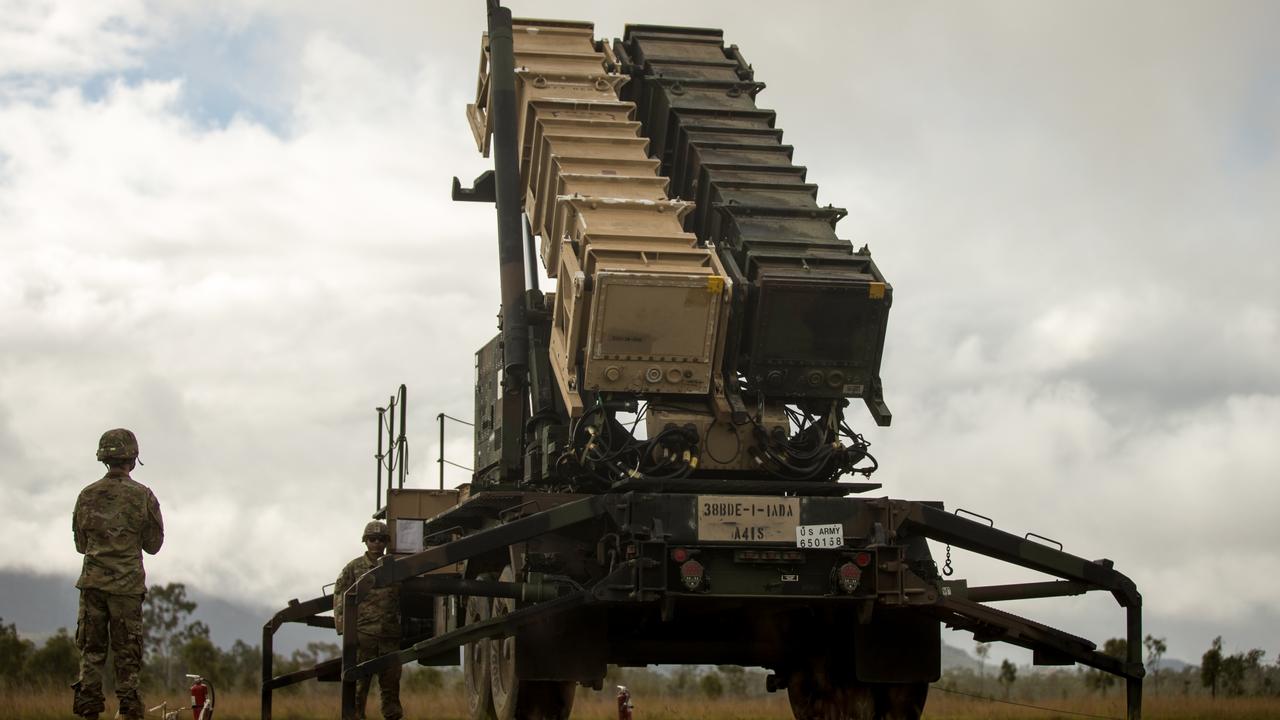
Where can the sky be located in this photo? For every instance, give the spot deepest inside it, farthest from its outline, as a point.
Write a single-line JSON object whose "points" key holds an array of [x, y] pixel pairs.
{"points": [[227, 226]]}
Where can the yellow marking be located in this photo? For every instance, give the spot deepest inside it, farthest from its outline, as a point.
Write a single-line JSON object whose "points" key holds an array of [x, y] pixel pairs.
{"points": [[875, 291], [715, 284]]}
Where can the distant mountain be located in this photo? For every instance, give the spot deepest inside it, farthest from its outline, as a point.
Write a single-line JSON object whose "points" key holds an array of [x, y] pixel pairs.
{"points": [[953, 658], [1171, 665], [40, 604]]}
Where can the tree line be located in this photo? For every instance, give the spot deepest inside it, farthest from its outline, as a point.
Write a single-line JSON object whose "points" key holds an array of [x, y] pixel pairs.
{"points": [[1234, 675], [25, 664], [174, 643]]}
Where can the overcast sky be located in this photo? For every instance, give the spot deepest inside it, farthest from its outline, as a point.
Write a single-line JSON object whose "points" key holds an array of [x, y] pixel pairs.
{"points": [[227, 227]]}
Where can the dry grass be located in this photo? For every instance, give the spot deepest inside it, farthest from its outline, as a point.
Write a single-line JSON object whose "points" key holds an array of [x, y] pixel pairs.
{"points": [[943, 706], [47, 705]]}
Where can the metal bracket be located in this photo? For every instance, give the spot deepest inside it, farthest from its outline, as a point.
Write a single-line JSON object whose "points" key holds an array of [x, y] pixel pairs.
{"points": [[483, 189]]}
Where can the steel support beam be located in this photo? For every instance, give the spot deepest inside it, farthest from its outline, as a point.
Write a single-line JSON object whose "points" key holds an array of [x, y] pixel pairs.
{"points": [[493, 627], [990, 623], [504, 110], [329, 669], [1133, 647], [303, 612], [522, 592], [1026, 591], [393, 570], [937, 524], [268, 669], [726, 486]]}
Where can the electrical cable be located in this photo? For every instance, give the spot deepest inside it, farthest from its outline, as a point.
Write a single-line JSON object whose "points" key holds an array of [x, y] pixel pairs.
{"points": [[737, 439], [1025, 705]]}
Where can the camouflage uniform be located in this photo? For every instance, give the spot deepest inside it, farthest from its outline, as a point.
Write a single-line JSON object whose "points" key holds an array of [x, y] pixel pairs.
{"points": [[379, 633], [115, 519]]}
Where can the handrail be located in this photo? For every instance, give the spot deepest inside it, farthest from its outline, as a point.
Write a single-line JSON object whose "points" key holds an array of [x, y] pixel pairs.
{"points": [[440, 418], [300, 612]]}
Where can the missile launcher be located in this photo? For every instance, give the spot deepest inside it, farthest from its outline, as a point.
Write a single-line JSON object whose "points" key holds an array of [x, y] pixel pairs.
{"points": [[641, 305], [660, 442]]}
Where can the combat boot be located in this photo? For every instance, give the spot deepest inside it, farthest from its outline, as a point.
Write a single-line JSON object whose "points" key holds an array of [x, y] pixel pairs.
{"points": [[131, 707], [85, 706]]}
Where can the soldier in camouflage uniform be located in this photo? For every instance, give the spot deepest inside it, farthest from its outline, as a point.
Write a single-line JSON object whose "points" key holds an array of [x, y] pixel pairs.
{"points": [[378, 624], [115, 519]]}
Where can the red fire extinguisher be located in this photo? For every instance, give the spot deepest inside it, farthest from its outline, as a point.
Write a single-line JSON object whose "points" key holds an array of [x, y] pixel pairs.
{"points": [[624, 703], [201, 698]]}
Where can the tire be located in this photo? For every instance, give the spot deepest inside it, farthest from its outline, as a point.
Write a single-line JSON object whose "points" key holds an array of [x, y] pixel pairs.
{"points": [[901, 701], [816, 693], [476, 674], [515, 699]]}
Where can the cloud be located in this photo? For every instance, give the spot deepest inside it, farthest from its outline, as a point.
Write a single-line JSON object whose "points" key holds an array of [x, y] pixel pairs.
{"points": [[58, 38], [233, 295]]}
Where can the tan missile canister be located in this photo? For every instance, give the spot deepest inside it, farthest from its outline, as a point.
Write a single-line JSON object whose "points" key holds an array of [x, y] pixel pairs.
{"points": [[640, 307]]}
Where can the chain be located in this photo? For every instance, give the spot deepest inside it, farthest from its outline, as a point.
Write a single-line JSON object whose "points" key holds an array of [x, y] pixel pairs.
{"points": [[946, 567]]}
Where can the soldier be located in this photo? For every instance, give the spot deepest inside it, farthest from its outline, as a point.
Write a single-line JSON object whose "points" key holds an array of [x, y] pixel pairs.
{"points": [[115, 519], [378, 624]]}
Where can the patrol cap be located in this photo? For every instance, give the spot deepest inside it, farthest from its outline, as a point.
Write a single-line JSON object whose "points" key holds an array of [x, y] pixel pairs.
{"points": [[375, 528], [118, 444]]}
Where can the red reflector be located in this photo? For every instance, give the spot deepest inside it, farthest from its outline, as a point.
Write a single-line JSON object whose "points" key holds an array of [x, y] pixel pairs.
{"points": [[679, 555], [848, 575], [691, 575], [862, 559]]}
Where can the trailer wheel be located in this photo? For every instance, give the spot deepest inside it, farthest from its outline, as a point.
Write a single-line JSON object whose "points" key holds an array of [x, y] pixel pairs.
{"points": [[901, 701], [817, 693], [475, 664], [515, 699]]}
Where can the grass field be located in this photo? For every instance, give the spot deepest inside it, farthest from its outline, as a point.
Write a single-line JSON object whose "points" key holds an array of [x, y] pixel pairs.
{"points": [[600, 706]]}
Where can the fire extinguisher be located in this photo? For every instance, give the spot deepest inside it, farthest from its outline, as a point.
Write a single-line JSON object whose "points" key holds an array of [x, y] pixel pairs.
{"points": [[201, 698], [624, 703]]}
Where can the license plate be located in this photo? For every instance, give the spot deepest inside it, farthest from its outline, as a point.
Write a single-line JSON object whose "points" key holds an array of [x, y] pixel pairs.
{"points": [[735, 518], [820, 536]]}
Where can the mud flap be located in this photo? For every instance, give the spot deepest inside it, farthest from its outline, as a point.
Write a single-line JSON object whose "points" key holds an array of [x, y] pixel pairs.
{"points": [[898, 646], [541, 656]]}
